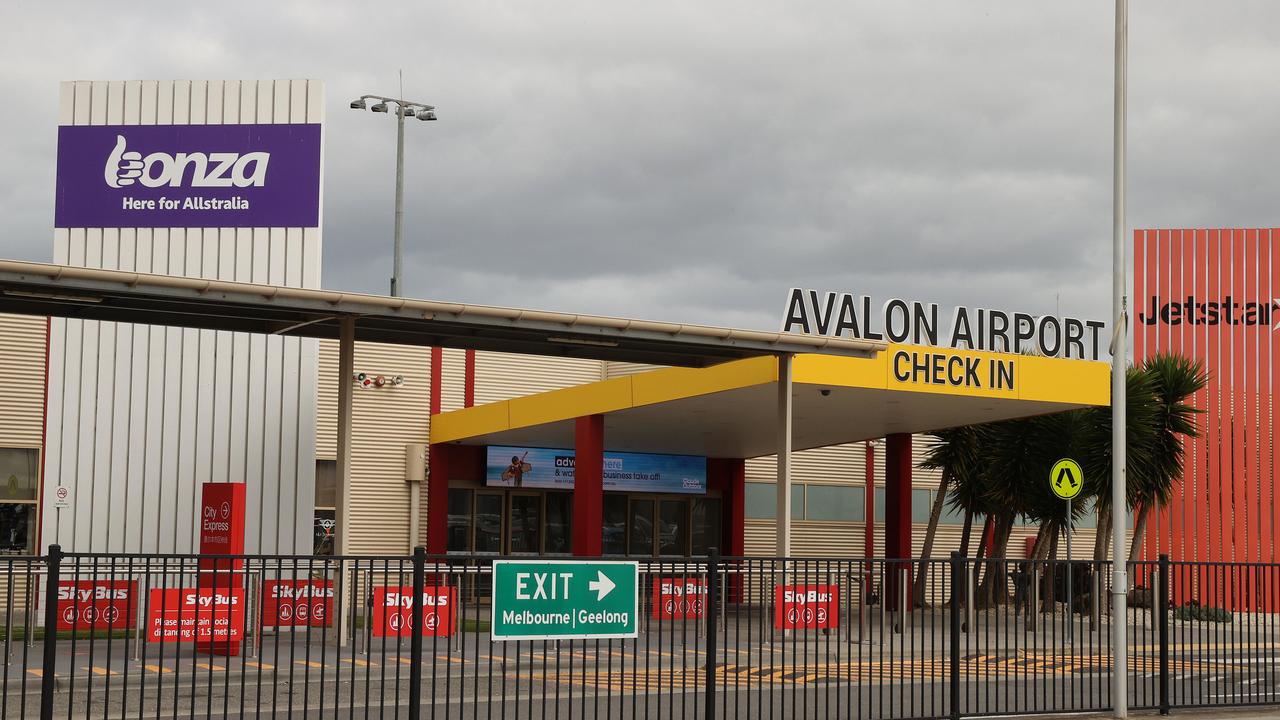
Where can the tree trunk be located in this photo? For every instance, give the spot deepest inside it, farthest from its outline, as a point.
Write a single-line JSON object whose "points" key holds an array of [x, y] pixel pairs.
{"points": [[968, 530], [1041, 549], [987, 527], [1102, 543], [922, 573], [958, 593], [1139, 529], [994, 589], [1049, 597]]}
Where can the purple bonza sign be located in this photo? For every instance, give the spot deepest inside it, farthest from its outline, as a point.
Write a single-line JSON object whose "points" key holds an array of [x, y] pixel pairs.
{"points": [[188, 176]]}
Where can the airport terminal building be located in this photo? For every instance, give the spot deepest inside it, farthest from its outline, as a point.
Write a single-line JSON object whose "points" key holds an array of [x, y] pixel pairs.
{"points": [[109, 430]]}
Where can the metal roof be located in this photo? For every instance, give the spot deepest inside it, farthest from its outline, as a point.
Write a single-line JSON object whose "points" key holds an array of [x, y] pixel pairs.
{"points": [[113, 295]]}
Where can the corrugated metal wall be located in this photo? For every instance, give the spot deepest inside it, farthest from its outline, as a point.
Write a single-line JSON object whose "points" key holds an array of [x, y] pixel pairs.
{"points": [[140, 416], [22, 339], [502, 376], [384, 420]]}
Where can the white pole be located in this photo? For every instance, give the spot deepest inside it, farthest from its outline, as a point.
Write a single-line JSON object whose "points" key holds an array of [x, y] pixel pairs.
{"points": [[783, 546], [397, 289], [342, 515], [1119, 356]]}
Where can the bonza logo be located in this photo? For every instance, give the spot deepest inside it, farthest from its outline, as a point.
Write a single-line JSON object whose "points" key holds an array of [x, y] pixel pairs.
{"points": [[158, 169]]}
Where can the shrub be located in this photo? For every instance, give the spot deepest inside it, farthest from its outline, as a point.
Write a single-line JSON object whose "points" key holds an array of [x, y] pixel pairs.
{"points": [[1202, 613]]}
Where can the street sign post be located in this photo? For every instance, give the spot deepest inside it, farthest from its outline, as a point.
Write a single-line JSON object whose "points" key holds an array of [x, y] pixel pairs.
{"points": [[1066, 480], [564, 600]]}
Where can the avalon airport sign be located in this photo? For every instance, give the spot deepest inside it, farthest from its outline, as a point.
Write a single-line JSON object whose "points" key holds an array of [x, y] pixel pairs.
{"points": [[842, 314]]}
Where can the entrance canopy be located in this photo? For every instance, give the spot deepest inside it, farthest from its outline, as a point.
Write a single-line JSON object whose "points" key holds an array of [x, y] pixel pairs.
{"points": [[731, 410]]}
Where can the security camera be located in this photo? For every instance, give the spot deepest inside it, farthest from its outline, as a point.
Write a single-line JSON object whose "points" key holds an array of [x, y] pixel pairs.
{"points": [[825, 392]]}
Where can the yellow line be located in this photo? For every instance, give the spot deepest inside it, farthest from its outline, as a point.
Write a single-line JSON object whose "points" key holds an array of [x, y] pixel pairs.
{"points": [[358, 661], [38, 673], [310, 663], [264, 666], [100, 671], [156, 669], [208, 666]]}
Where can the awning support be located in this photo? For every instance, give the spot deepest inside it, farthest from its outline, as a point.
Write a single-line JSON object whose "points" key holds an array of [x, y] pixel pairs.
{"points": [[783, 548], [342, 512]]}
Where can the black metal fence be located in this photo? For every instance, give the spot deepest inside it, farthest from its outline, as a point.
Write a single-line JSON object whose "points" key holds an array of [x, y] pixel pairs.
{"points": [[184, 636]]}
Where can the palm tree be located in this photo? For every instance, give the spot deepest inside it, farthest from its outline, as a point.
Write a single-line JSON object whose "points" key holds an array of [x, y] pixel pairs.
{"points": [[955, 453], [1174, 379]]}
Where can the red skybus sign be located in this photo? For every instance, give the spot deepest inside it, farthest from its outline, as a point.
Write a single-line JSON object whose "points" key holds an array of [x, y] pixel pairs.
{"points": [[676, 598], [96, 604], [290, 603], [806, 607], [393, 611], [202, 615]]}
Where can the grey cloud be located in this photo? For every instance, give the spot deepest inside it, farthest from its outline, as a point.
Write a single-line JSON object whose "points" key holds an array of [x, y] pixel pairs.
{"points": [[691, 161]]}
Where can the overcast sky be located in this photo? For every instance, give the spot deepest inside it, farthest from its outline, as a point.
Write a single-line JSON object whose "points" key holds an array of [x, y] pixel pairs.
{"points": [[690, 161]]}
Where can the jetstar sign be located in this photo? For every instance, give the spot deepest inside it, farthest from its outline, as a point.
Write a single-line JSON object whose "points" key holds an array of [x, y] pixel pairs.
{"points": [[846, 315], [1200, 311]]}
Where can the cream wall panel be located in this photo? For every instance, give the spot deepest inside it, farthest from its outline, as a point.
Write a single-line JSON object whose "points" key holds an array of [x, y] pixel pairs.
{"points": [[22, 355], [141, 416], [613, 368], [502, 376], [383, 421]]}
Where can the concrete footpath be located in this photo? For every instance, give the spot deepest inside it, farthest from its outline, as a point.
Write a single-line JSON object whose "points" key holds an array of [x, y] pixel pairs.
{"points": [[1261, 713]]}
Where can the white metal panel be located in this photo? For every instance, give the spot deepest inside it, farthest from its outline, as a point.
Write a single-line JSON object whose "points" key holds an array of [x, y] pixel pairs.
{"points": [[143, 415]]}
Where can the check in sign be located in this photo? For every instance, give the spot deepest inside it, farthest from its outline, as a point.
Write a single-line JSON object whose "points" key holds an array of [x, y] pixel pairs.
{"points": [[553, 600]]}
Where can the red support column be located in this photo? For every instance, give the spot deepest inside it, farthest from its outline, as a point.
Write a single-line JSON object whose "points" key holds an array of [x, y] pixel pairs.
{"points": [[729, 476], [588, 486], [897, 509], [438, 499], [469, 378], [869, 495]]}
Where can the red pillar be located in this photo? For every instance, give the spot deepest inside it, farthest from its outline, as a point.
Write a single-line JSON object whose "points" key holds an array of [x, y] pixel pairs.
{"points": [[729, 476], [588, 486], [897, 510], [438, 499], [869, 496]]}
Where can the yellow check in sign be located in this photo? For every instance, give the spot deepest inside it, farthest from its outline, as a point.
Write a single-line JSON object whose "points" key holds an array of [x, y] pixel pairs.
{"points": [[1066, 479]]}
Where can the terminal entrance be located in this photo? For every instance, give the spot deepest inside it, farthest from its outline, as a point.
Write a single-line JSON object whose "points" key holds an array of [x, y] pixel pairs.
{"points": [[540, 523]]}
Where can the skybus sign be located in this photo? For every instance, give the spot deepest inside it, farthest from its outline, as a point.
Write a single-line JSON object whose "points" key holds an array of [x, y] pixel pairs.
{"points": [[846, 315]]}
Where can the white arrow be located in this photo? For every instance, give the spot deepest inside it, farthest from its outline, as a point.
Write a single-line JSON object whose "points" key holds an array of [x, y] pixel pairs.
{"points": [[602, 585]]}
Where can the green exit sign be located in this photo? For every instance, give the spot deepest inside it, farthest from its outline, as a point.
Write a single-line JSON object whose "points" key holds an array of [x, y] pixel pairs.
{"points": [[561, 600]]}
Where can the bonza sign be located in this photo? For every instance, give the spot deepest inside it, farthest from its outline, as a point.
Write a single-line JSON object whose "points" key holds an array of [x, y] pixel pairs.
{"points": [[554, 600], [188, 176]]}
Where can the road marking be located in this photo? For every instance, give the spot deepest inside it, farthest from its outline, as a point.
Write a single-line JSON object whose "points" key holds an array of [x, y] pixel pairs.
{"points": [[157, 669], [361, 663], [208, 666], [264, 666], [38, 673], [100, 670], [310, 663]]}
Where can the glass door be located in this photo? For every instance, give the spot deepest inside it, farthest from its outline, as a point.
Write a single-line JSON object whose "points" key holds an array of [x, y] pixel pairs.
{"points": [[673, 528], [640, 522], [524, 533], [488, 527]]}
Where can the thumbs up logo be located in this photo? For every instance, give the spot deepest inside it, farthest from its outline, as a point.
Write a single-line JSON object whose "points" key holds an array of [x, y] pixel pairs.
{"points": [[123, 168]]}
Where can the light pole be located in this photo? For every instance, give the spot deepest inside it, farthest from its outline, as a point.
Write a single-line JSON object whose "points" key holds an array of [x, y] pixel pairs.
{"points": [[1119, 356], [403, 109]]}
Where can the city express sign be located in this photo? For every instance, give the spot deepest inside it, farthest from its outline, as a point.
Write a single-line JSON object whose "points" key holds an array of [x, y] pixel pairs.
{"points": [[899, 321]]}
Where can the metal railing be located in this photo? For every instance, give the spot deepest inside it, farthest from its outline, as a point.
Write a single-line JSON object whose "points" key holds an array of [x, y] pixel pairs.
{"points": [[183, 636]]}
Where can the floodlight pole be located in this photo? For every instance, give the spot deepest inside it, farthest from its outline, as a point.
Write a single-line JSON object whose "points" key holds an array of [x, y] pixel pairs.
{"points": [[397, 288], [1119, 356]]}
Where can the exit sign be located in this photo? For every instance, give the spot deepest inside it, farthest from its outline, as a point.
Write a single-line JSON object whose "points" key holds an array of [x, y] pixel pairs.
{"points": [[560, 600]]}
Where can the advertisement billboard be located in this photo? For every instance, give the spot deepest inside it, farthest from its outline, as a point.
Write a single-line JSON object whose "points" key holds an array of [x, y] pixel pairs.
{"points": [[520, 467], [188, 176], [96, 604], [1211, 295]]}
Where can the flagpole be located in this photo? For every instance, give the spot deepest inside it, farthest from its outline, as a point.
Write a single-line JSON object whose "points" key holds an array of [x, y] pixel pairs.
{"points": [[1119, 357]]}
